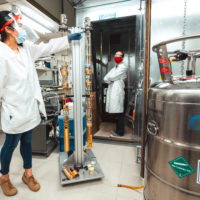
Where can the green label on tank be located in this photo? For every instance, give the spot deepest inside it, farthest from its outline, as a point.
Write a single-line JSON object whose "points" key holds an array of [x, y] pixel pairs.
{"points": [[181, 167]]}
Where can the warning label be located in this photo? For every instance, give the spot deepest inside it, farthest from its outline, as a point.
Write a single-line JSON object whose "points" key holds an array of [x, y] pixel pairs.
{"points": [[181, 167], [164, 69], [163, 60]]}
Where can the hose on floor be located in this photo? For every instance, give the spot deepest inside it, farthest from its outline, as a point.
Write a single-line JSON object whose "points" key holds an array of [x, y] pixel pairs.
{"points": [[130, 187]]}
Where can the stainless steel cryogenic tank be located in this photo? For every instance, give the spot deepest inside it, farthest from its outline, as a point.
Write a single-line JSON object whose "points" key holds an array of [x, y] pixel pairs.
{"points": [[173, 133]]}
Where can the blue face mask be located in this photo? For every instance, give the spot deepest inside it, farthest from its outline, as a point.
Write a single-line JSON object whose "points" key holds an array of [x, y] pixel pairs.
{"points": [[21, 36]]}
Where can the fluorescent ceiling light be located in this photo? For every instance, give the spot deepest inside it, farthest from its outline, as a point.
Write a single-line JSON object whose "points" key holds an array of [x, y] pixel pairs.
{"points": [[40, 19], [32, 17], [37, 27], [36, 17]]}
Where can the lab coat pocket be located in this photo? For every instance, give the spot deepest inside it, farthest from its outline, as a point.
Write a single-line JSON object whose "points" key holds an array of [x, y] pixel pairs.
{"points": [[14, 119], [9, 117], [6, 111], [7, 114], [17, 116]]}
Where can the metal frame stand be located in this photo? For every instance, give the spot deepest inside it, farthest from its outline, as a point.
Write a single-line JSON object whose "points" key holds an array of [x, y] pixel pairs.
{"points": [[84, 175], [79, 159]]}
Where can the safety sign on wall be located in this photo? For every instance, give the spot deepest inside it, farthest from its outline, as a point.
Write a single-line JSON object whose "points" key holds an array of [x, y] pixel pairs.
{"points": [[181, 167], [198, 172]]}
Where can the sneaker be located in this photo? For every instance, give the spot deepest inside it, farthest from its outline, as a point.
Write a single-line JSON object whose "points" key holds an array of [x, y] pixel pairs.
{"points": [[31, 182], [8, 188], [114, 134]]}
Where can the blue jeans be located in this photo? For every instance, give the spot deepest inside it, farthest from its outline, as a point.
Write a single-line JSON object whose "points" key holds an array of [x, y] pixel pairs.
{"points": [[9, 146]]}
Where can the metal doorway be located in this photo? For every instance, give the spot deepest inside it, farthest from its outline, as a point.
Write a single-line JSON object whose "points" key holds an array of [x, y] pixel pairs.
{"points": [[110, 36]]}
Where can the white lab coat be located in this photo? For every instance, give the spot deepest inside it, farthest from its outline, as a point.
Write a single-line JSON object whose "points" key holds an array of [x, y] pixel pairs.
{"points": [[115, 93], [20, 93]]}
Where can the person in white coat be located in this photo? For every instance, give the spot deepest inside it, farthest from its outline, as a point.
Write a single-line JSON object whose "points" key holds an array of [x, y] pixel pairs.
{"points": [[20, 94], [115, 93]]}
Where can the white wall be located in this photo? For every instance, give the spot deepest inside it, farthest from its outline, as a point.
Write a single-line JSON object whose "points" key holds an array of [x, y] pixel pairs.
{"points": [[167, 23]]}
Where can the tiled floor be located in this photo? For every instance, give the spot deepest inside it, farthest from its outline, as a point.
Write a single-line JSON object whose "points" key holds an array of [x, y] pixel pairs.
{"points": [[117, 162], [105, 131]]}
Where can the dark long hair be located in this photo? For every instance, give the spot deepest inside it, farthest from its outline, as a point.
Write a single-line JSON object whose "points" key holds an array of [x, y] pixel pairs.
{"points": [[4, 35], [4, 17]]}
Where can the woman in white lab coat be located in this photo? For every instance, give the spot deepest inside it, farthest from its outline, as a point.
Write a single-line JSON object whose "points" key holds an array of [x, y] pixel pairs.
{"points": [[115, 93], [20, 94]]}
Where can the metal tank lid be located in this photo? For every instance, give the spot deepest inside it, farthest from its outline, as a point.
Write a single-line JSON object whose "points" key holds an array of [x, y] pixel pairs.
{"points": [[178, 91]]}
